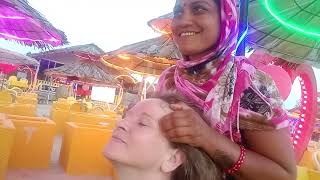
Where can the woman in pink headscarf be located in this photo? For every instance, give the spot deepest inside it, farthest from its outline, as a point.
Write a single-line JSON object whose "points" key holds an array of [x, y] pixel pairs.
{"points": [[249, 135]]}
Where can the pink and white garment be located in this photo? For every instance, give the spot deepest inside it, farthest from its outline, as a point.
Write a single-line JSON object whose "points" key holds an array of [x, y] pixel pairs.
{"points": [[226, 83]]}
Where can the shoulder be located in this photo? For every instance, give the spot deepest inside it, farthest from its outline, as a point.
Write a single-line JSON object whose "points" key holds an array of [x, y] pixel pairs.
{"points": [[165, 77]]}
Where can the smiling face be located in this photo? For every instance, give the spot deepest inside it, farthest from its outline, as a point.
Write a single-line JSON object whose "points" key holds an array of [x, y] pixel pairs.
{"points": [[137, 141], [196, 26]]}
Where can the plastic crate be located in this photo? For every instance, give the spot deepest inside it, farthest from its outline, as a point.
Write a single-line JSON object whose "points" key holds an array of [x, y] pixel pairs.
{"points": [[27, 100], [314, 175], [18, 109], [82, 147], [60, 117], [302, 173], [7, 133], [89, 118], [6, 108], [307, 161], [33, 142]]}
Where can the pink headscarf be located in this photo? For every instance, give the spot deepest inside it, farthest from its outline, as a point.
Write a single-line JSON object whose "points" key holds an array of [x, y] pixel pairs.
{"points": [[219, 95]]}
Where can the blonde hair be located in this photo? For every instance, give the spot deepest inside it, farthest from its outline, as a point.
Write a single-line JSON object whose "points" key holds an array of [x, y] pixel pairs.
{"points": [[197, 164]]}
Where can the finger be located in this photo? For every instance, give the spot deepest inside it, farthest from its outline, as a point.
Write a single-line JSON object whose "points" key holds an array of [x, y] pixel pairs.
{"points": [[185, 114], [171, 123], [180, 106], [176, 107], [183, 140], [179, 132]]}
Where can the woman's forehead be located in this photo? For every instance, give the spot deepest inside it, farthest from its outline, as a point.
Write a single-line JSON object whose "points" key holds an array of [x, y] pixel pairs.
{"points": [[183, 3], [154, 107]]}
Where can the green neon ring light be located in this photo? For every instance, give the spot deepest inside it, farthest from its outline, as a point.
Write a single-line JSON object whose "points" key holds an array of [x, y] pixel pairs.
{"points": [[294, 27]]}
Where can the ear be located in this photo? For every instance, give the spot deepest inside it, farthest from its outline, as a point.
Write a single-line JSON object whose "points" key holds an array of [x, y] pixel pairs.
{"points": [[174, 159]]}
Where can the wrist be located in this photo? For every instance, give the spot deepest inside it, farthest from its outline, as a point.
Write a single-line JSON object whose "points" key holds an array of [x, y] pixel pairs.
{"points": [[208, 143]]}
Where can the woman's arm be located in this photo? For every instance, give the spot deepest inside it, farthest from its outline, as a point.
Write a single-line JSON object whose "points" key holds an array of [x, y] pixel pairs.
{"points": [[269, 155]]}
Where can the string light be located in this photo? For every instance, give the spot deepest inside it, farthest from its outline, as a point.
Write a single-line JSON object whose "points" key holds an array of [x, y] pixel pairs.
{"points": [[123, 56], [289, 25]]}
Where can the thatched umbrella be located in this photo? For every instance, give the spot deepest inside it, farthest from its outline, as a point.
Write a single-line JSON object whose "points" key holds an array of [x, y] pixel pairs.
{"points": [[70, 55], [10, 57], [9, 61], [22, 23], [81, 62], [86, 71], [148, 57], [287, 29]]}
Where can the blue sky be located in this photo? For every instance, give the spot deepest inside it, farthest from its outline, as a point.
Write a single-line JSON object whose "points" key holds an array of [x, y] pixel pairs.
{"points": [[109, 24]]}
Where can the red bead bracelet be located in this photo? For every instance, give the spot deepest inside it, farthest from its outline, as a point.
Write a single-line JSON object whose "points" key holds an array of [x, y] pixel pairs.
{"points": [[237, 165]]}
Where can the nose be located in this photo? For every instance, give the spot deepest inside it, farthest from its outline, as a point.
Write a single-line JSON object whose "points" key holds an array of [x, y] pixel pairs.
{"points": [[184, 19], [123, 125]]}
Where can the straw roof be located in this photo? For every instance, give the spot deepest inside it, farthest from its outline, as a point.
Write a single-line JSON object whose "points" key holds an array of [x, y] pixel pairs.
{"points": [[11, 57], [27, 26], [70, 55], [147, 57], [86, 71]]}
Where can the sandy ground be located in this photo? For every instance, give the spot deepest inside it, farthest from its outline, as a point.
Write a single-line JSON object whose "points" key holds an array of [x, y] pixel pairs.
{"points": [[54, 172]]}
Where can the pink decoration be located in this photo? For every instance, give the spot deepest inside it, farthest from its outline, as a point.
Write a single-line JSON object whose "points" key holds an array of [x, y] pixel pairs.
{"points": [[30, 27], [259, 58], [7, 68], [280, 77], [301, 132]]}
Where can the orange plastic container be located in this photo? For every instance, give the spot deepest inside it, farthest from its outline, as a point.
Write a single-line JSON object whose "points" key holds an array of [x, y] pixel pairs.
{"points": [[27, 100], [7, 133], [60, 117], [314, 175], [24, 109], [18, 109], [82, 147], [306, 160], [5, 97], [6, 108], [88, 118], [33, 142]]}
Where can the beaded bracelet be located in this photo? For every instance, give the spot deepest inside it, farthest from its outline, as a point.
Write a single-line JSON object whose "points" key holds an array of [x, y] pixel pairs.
{"points": [[237, 165]]}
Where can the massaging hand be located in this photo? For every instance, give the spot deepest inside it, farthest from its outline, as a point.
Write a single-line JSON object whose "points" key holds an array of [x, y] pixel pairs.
{"points": [[184, 125]]}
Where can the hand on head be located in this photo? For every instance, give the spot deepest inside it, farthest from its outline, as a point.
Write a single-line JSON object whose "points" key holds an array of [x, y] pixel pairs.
{"points": [[139, 144]]}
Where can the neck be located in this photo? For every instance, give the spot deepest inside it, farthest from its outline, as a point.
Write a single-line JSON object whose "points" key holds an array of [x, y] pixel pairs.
{"points": [[130, 173]]}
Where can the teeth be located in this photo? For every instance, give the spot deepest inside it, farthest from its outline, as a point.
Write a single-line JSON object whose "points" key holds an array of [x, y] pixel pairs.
{"points": [[188, 34]]}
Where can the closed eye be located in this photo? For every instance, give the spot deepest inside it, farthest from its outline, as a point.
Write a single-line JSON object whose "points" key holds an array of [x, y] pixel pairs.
{"points": [[142, 124]]}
